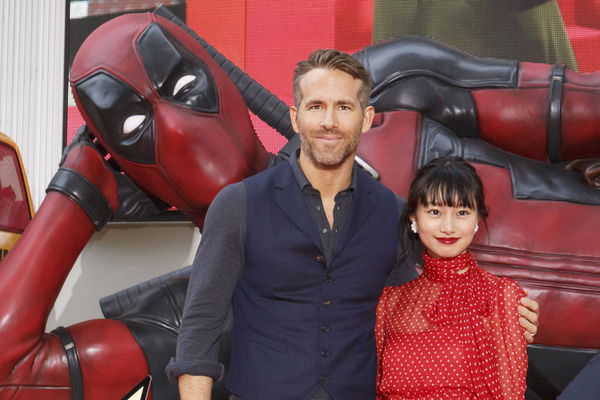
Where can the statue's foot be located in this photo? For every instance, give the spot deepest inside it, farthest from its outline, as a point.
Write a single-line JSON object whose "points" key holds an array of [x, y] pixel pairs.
{"points": [[589, 168]]}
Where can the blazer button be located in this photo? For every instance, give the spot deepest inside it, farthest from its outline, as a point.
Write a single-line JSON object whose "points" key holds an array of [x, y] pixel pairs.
{"points": [[320, 259], [326, 303], [325, 328], [327, 279], [323, 379], [325, 354]]}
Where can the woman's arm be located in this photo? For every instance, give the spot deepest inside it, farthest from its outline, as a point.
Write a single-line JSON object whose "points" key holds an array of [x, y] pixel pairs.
{"points": [[509, 342], [381, 316]]}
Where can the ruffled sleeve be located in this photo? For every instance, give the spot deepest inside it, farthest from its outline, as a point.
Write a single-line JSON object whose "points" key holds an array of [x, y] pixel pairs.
{"points": [[508, 341]]}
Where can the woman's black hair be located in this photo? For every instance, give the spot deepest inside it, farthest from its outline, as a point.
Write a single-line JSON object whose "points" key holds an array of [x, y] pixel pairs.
{"points": [[444, 181]]}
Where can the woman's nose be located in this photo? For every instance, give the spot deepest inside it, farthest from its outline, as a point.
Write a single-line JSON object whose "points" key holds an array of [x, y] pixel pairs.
{"points": [[447, 224]]}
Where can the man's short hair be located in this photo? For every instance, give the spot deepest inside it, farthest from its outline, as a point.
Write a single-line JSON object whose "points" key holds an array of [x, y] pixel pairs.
{"points": [[333, 59]]}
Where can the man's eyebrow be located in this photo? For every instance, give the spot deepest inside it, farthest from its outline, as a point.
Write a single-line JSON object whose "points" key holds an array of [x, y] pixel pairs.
{"points": [[316, 100], [313, 101]]}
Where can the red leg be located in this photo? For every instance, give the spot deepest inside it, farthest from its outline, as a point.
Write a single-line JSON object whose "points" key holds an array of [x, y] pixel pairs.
{"points": [[517, 119]]}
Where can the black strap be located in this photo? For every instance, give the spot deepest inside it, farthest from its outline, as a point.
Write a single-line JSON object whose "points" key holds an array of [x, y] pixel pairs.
{"points": [[73, 359], [554, 122], [286, 151], [83, 192]]}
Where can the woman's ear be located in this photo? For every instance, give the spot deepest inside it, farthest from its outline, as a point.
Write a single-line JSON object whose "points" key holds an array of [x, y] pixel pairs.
{"points": [[413, 225]]}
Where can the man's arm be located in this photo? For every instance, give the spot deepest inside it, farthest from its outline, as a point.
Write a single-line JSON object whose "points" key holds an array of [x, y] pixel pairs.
{"points": [[217, 267], [195, 387]]}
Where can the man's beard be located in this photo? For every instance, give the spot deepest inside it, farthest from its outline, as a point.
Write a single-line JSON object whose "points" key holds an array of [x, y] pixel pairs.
{"points": [[329, 159]]}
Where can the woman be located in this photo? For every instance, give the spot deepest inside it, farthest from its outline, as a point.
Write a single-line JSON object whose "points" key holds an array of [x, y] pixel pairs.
{"points": [[452, 333]]}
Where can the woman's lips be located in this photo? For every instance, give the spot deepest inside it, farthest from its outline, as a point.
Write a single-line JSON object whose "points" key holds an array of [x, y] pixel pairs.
{"points": [[447, 240]]}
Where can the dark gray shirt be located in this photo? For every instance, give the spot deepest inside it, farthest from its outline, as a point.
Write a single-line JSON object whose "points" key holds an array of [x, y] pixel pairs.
{"points": [[219, 263]]}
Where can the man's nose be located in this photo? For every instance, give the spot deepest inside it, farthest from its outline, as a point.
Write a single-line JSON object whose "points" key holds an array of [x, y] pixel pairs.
{"points": [[329, 120]]}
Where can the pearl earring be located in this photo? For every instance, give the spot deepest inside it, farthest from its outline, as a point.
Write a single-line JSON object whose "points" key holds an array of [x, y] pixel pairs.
{"points": [[476, 227], [413, 226]]}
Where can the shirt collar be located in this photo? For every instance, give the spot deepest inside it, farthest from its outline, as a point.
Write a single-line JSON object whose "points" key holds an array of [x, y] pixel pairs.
{"points": [[303, 181]]}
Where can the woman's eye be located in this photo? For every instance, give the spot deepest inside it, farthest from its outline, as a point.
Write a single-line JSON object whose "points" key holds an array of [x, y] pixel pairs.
{"points": [[182, 82], [132, 123]]}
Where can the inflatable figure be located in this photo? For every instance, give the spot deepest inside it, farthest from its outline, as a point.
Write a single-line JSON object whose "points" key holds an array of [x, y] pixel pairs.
{"points": [[170, 116], [166, 112]]}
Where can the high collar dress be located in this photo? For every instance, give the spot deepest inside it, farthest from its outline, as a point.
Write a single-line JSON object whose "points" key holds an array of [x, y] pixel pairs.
{"points": [[452, 333]]}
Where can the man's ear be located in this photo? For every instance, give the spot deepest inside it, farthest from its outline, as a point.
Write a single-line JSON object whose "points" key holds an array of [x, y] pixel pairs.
{"points": [[368, 115], [293, 115]]}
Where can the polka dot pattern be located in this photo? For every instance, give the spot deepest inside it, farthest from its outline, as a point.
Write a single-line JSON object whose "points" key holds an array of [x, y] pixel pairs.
{"points": [[452, 333]]}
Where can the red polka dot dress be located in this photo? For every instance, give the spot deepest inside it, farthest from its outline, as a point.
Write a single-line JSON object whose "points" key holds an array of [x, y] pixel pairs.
{"points": [[452, 333]]}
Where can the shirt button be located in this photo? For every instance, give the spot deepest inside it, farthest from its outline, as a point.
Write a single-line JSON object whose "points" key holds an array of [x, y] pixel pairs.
{"points": [[323, 379], [320, 259], [327, 279], [325, 328], [324, 353], [326, 303]]}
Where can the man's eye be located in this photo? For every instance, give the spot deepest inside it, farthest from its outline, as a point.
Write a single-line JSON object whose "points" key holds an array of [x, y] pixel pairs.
{"points": [[344, 108], [132, 123], [314, 107], [183, 82]]}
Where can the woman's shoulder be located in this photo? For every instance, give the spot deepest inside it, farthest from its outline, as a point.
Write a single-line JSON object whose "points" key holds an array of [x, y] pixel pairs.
{"points": [[392, 294], [501, 282], [509, 288], [506, 289]]}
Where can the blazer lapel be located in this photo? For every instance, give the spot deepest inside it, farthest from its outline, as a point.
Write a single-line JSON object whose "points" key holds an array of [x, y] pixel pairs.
{"points": [[287, 195], [363, 206]]}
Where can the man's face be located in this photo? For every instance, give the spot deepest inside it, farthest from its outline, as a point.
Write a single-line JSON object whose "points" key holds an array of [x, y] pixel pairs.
{"points": [[329, 118]]}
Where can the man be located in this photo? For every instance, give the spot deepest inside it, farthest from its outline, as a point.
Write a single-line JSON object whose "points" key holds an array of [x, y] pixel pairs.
{"points": [[302, 252]]}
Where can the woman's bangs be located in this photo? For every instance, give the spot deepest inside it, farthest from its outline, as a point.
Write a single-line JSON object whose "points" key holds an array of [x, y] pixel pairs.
{"points": [[450, 193]]}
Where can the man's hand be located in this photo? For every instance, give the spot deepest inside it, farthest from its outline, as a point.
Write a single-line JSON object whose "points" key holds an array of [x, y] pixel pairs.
{"points": [[529, 310], [192, 387]]}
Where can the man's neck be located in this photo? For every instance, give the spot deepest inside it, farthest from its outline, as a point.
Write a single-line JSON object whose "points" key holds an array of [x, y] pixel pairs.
{"points": [[328, 181]]}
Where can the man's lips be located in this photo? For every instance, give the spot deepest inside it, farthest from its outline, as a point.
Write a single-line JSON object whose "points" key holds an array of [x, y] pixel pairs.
{"points": [[447, 240], [329, 138]]}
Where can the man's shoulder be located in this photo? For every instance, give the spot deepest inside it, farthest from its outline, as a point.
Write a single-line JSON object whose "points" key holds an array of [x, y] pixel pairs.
{"points": [[269, 174], [230, 196]]}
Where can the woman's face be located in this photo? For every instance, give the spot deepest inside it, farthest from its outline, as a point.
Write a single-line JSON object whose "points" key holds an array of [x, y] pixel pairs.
{"points": [[445, 231]]}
